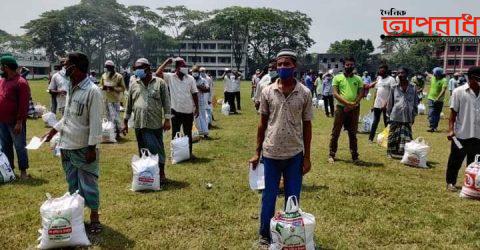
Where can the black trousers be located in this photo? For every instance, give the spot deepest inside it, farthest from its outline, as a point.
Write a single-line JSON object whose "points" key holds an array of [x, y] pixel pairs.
{"points": [[237, 98], [471, 147], [230, 99], [377, 112], [185, 121], [328, 105]]}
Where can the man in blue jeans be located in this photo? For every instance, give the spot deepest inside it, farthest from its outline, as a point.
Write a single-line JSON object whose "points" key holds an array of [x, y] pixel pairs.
{"points": [[283, 137], [14, 96], [436, 95]]}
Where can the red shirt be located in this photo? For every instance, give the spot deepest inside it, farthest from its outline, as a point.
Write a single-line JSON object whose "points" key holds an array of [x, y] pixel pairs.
{"points": [[14, 97]]}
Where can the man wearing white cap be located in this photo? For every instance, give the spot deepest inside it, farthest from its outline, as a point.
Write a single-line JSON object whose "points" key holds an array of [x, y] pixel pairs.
{"points": [[283, 137], [113, 86], [149, 102], [230, 88], [183, 97]]}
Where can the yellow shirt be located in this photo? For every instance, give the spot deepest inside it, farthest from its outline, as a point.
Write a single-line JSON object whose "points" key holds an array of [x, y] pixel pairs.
{"points": [[116, 81]]}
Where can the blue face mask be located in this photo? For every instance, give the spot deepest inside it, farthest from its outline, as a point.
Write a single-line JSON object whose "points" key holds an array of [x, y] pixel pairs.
{"points": [[285, 73], [273, 74], [140, 73]]}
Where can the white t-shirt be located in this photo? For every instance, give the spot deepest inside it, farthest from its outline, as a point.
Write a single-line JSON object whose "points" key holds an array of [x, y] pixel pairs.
{"points": [[467, 105], [231, 83], [59, 83], [181, 91], [384, 85], [265, 81]]}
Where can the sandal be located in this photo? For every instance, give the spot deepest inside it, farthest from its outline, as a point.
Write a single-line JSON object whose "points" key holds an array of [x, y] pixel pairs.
{"points": [[95, 227]]}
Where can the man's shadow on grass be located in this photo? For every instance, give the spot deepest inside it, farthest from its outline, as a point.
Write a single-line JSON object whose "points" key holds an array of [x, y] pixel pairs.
{"points": [[32, 181], [109, 238], [314, 188], [361, 163]]}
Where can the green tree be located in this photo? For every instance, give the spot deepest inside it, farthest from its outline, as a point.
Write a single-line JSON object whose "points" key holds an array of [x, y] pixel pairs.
{"points": [[359, 49]]}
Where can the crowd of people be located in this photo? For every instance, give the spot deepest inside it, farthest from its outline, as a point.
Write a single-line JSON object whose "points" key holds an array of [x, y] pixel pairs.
{"points": [[159, 100]]}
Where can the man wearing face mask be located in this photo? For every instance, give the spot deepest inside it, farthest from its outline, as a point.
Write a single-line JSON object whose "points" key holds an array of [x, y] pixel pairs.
{"points": [[149, 102], [183, 97], [286, 115], [14, 96], [464, 125], [203, 74], [230, 89], [266, 80], [80, 132], [347, 89], [113, 86], [203, 94], [58, 89]]}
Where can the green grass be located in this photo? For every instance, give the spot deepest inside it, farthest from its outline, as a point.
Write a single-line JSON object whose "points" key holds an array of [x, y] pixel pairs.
{"points": [[385, 205]]}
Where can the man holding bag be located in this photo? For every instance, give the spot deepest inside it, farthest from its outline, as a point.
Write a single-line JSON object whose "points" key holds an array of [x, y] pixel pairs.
{"points": [[464, 125], [149, 101], [283, 137]]}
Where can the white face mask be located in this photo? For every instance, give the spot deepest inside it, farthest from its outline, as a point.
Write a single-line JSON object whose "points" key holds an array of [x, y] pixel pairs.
{"points": [[184, 70], [195, 74]]}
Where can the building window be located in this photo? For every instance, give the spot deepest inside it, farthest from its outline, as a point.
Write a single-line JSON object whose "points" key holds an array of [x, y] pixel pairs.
{"points": [[183, 46], [224, 46], [209, 59], [332, 59], [193, 59], [469, 62], [324, 60], [329, 66], [224, 59], [454, 48], [452, 62], [209, 46], [336, 66], [471, 48]]}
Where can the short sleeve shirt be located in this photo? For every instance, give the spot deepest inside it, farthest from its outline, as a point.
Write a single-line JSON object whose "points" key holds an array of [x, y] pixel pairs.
{"points": [[59, 83], [467, 105], [116, 81], [181, 91], [436, 86], [384, 86], [348, 87], [284, 133]]}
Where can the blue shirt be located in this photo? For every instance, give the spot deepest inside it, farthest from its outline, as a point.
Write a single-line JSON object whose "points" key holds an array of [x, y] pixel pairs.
{"points": [[309, 82]]}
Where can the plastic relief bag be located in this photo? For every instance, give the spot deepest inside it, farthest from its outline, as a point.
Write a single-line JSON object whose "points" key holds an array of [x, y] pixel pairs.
{"points": [[416, 153], [257, 177], [225, 108], [108, 131], [367, 122], [62, 222], [180, 149], [421, 109], [292, 229], [382, 138], [471, 184], [146, 174], [6, 171]]}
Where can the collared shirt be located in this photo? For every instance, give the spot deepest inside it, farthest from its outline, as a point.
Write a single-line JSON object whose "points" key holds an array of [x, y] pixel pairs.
{"points": [[436, 87], [148, 103], [384, 86], [81, 124], [366, 79], [403, 105], [309, 82], [231, 83], [181, 91], [452, 84], [14, 96], [59, 83], [284, 133], [115, 81], [467, 105], [348, 87], [327, 88], [202, 96], [264, 82]]}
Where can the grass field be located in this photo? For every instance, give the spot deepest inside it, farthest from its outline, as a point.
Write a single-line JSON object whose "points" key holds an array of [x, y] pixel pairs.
{"points": [[382, 205]]}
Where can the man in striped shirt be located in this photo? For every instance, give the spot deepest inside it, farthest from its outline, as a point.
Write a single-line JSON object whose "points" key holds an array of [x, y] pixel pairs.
{"points": [[80, 132]]}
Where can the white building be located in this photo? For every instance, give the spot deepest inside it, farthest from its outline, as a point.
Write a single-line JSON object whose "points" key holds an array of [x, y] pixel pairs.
{"points": [[214, 55], [36, 62]]}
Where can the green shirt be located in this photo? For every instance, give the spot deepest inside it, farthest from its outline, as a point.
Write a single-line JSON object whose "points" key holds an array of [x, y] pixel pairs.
{"points": [[436, 87], [348, 87], [116, 81], [148, 103]]}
